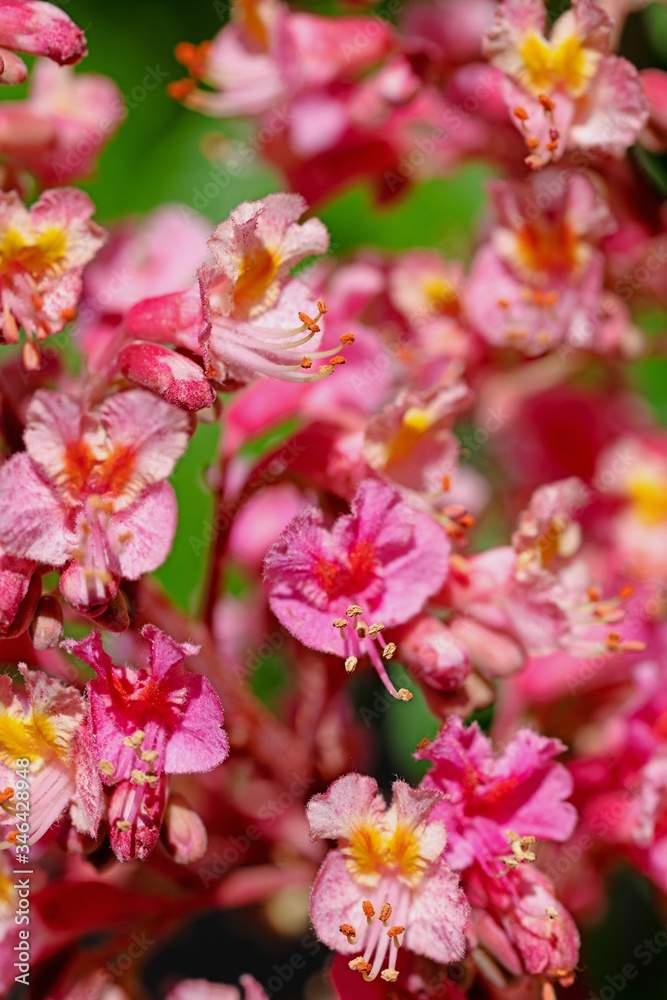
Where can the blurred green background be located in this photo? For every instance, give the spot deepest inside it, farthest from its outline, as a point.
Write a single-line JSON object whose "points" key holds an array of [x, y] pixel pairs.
{"points": [[158, 157]]}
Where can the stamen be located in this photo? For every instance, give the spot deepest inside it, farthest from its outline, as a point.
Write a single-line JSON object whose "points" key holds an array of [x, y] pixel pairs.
{"points": [[546, 103], [349, 932], [354, 611], [552, 913], [306, 362], [6, 795], [389, 975], [394, 933], [521, 115], [358, 965], [369, 910], [106, 767], [347, 339], [385, 912], [389, 651], [149, 756], [123, 824], [351, 664]]}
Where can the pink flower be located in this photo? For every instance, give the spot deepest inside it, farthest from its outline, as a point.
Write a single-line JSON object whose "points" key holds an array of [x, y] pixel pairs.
{"points": [[144, 724], [56, 132], [92, 496], [565, 91], [523, 790], [42, 254], [387, 884], [253, 320], [40, 29], [45, 727], [494, 808], [539, 279], [382, 557], [411, 441]]}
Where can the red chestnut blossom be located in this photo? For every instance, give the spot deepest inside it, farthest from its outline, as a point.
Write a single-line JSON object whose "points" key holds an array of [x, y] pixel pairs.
{"points": [[42, 254], [253, 320], [387, 884], [40, 29], [523, 790], [538, 281], [382, 558], [58, 132], [494, 808], [565, 91], [45, 727], [93, 499], [145, 724]]}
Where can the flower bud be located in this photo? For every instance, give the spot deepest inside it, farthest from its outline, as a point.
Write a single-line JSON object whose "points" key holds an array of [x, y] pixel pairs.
{"points": [[173, 376], [184, 831], [46, 628]]}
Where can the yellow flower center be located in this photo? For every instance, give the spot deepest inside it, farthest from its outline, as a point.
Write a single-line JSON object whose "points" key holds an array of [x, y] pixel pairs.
{"points": [[253, 287], [374, 851], [36, 253], [416, 421], [440, 293], [648, 492], [560, 62], [34, 735]]}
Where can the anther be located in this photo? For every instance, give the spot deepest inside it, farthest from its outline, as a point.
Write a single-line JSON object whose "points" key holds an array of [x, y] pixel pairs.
{"points": [[627, 590], [149, 756], [385, 912], [135, 740], [389, 975], [551, 912], [546, 103], [354, 611], [123, 825], [152, 779], [321, 306], [349, 932], [362, 629], [389, 651], [6, 795], [106, 767], [521, 115], [306, 362], [374, 629], [369, 910], [325, 369], [593, 594], [532, 142], [338, 360], [404, 694], [138, 777], [446, 483], [394, 932], [346, 339], [12, 837], [351, 664], [178, 89], [358, 965]]}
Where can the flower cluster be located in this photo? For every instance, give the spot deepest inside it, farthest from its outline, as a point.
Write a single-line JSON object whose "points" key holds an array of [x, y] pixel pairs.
{"points": [[437, 507]]}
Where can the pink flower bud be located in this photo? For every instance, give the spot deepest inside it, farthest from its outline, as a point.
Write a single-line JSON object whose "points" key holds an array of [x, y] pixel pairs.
{"points": [[433, 654], [176, 378], [41, 29], [184, 831]]}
